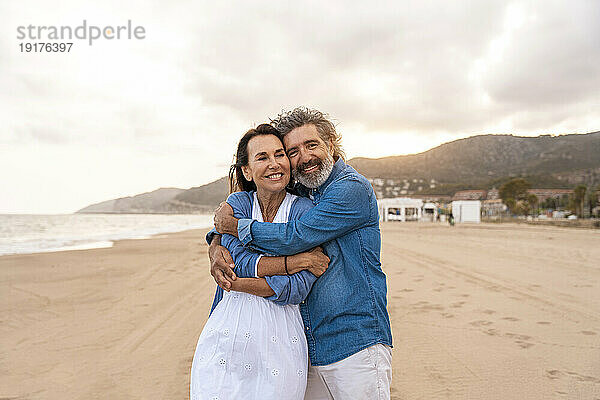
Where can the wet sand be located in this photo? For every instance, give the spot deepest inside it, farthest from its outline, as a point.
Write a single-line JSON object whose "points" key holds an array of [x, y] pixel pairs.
{"points": [[478, 312]]}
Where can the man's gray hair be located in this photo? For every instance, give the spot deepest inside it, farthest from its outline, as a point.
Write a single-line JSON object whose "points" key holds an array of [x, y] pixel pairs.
{"points": [[287, 121]]}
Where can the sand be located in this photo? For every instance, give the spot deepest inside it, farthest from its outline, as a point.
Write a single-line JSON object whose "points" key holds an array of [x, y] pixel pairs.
{"points": [[478, 312]]}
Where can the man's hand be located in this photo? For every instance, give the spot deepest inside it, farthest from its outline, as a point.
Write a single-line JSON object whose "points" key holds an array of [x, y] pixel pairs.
{"points": [[224, 220], [315, 261], [221, 265]]}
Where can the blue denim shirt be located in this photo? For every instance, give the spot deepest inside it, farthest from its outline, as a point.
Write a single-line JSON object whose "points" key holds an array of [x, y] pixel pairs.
{"points": [[289, 289], [345, 311]]}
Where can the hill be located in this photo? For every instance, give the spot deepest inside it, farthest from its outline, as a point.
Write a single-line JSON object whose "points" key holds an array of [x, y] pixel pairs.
{"points": [[486, 161], [478, 159], [477, 162], [195, 200], [150, 202]]}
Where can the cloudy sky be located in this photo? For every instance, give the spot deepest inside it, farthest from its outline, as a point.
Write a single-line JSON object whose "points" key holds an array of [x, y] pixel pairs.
{"points": [[121, 117]]}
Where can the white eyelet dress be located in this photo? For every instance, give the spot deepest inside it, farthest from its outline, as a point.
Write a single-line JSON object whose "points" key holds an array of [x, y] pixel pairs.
{"points": [[250, 347]]}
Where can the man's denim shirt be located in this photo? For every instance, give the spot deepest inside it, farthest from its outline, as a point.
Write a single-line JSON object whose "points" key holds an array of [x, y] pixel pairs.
{"points": [[345, 311]]}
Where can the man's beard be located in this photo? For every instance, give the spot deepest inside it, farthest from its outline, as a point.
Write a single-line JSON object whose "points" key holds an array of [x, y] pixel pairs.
{"points": [[315, 179]]}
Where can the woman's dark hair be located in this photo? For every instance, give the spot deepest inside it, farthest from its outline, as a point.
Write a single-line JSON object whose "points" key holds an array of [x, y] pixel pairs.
{"points": [[237, 181]]}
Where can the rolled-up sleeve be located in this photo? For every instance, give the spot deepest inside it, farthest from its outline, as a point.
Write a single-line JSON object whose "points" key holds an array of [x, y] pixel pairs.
{"points": [[291, 289], [245, 259], [210, 235], [244, 230]]}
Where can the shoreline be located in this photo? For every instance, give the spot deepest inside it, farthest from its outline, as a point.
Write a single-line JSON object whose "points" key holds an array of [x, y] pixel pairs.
{"points": [[30, 234], [482, 225], [112, 245]]}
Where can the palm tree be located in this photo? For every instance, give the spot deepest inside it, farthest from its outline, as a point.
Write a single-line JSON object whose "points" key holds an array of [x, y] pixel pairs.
{"points": [[532, 200], [579, 199]]}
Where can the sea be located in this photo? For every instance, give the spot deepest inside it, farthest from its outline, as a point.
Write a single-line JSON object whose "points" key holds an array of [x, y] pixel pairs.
{"points": [[23, 234]]}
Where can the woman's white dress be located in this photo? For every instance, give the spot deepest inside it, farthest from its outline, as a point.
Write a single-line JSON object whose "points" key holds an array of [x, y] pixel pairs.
{"points": [[250, 347]]}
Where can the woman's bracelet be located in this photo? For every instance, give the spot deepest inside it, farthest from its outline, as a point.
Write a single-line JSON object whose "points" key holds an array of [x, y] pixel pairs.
{"points": [[285, 265]]}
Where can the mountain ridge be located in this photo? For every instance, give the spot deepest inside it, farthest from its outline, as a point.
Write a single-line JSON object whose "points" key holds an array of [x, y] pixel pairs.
{"points": [[480, 161]]}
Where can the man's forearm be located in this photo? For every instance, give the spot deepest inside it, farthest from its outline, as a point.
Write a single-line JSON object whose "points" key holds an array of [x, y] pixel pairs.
{"points": [[255, 286], [346, 206], [226, 224]]}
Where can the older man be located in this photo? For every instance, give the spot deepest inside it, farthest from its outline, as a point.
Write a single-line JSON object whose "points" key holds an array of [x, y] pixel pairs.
{"points": [[346, 322]]}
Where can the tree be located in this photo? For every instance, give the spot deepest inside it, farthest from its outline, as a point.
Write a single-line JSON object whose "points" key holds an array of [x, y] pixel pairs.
{"points": [[513, 192], [579, 199], [550, 203], [532, 201], [592, 199]]}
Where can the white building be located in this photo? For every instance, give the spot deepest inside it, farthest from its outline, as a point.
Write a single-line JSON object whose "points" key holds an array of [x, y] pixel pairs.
{"points": [[430, 212], [466, 211], [400, 209]]}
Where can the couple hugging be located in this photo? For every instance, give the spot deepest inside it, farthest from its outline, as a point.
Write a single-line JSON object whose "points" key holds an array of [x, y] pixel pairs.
{"points": [[300, 311]]}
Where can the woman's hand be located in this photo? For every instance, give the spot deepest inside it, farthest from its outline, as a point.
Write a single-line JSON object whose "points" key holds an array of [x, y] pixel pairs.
{"points": [[315, 261]]}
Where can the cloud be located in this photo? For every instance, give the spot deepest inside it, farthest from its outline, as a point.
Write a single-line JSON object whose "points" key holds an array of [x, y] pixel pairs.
{"points": [[427, 68], [406, 74]]}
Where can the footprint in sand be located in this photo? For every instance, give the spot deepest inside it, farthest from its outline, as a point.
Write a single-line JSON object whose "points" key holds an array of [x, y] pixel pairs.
{"points": [[553, 374], [489, 312], [480, 323], [425, 306], [521, 340], [589, 333], [492, 332], [583, 378], [524, 345], [543, 323], [517, 336], [512, 319], [407, 290], [457, 305]]}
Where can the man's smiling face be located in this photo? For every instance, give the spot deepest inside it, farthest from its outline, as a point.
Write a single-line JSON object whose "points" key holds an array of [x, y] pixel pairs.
{"points": [[310, 157]]}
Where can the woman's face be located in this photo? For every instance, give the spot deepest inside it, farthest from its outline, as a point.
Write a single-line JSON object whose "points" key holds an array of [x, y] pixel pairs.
{"points": [[268, 165]]}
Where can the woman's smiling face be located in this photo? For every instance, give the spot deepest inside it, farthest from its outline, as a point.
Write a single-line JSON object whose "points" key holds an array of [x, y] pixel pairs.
{"points": [[268, 165]]}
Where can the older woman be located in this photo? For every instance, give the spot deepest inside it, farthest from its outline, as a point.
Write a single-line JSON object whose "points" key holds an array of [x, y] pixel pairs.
{"points": [[253, 344]]}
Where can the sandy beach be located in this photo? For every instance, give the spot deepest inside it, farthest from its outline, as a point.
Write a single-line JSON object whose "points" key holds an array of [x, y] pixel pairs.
{"points": [[490, 311]]}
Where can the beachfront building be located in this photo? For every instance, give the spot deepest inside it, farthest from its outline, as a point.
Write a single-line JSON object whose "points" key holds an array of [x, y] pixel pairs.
{"points": [[493, 208], [430, 212], [470, 195], [466, 211], [400, 209]]}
